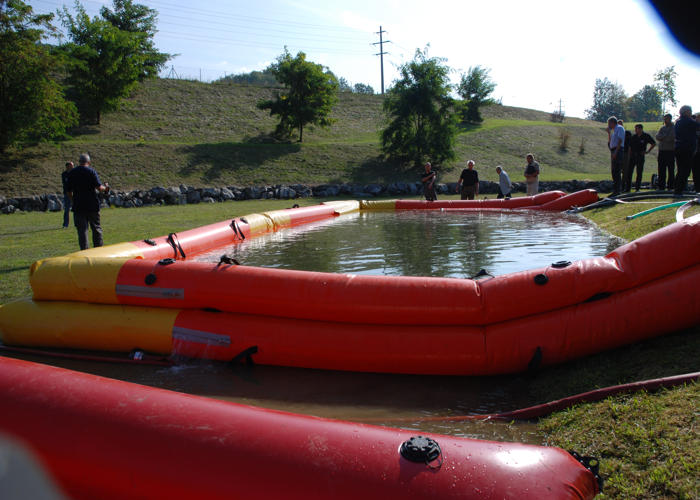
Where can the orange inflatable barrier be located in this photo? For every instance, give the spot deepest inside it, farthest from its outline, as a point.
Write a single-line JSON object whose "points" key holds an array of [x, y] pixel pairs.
{"points": [[357, 322], [110, 439]]}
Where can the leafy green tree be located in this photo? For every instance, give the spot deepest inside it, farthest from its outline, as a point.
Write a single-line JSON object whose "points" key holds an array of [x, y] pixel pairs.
{"points": [[608, 100], [32, 105], [665, 80], [104, 62], [422, 124], [344, 85], [645, 105], [475, 88], [141, 20], [361, 88], [258, 78], [310, 93]]}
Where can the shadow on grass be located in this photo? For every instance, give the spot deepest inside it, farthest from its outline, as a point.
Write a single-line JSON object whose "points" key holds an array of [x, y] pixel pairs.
{"points": [[16, 160], [218, 158], [13, 269], [468, 127], [373, 170]]}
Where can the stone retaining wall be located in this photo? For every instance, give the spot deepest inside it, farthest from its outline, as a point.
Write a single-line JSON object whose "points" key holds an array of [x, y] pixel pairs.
{"points": [[182, 194]]}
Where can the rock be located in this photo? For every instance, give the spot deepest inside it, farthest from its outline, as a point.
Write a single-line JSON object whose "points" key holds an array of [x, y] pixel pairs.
{"points": [[54, 206], [193, 196], [227, 194]]}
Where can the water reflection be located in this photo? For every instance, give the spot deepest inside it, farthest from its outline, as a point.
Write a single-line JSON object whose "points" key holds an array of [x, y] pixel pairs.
{"points": [[425, 243]]}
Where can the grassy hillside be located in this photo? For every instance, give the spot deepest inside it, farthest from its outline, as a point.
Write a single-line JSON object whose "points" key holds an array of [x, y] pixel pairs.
{"points": [[171, 132]]}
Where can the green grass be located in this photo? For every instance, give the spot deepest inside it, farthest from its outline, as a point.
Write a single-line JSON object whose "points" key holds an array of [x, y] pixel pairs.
{"points": [[172, 132], [648, 444]]}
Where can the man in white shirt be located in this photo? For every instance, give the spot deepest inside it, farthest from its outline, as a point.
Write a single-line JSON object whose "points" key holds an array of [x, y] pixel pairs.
{"points": [[616, 143]]}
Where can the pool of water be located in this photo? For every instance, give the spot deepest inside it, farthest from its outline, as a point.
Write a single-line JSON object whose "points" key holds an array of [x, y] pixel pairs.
{"points": [[449, 243]]}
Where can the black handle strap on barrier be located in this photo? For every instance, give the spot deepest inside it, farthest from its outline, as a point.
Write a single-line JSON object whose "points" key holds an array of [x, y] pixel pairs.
{"points": [[150, 242], [245, 355], [237, 230], [151, 277], [175, 243], [226, 259], [482, 273]]}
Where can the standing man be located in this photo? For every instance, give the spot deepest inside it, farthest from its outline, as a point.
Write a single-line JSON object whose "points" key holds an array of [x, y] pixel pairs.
{"points": [[428, 179], [686, 139], [81, 185], [626, 171], [503, 183], [532, 175], [667, 138], [638, 150], [616, 144], [468, 183], [66, 196]]}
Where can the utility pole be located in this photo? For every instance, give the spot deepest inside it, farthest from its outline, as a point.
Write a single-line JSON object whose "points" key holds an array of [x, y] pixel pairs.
{"points": [[381, 43]]}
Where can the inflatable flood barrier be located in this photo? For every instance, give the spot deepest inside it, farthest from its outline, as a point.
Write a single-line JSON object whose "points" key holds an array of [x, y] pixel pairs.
{"points": [[110, 439], [355, 322]]}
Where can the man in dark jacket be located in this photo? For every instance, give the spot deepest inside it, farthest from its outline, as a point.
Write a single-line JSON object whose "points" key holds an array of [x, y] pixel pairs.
{"points": [[667, 140], [638, 150], [66, 196], [686, 140], [82, 184]]}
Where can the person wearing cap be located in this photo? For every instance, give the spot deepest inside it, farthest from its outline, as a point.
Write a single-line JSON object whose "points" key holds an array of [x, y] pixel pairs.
{"points": [[66, 196], [428, 179], [686, 141], [504, 184], [468, 183], [666, 138], [82, 185]]}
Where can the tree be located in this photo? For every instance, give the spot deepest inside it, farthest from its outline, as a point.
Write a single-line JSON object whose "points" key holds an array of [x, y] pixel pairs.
{"points": [[309, 97], [258, 78], [475, 88], [32, 105], [141, 20], [608, 100], [361, 88], [344, 85], [665, 80], [422, 122], [645, 105], [105, 62]]}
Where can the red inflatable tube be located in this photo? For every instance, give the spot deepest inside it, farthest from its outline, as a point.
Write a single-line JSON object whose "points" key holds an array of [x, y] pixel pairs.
{"points": [[204, 238], [504, 204], [577, 199], [107, 439], [399, 300], [505, 347]]}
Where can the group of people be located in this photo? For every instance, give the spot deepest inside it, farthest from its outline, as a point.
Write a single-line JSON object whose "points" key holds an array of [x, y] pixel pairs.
{"points": [[679, 146], [468, 183], [80, 187]]}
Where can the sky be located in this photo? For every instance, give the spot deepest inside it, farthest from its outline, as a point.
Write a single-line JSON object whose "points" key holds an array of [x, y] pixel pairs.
{"points": [[541, 54]]}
